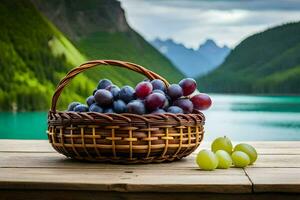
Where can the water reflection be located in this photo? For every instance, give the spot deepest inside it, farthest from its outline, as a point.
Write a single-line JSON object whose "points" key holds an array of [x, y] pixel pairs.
{"points": [[254, 117], [266, 107]]}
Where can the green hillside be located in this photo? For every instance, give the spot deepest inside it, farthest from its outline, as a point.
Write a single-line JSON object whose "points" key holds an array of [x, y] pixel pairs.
{"points": [[34, 56], [267, 62], [99, 30]]}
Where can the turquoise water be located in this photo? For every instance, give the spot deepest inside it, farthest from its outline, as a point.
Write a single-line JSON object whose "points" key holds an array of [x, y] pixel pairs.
{"points": [[238, 117], [23, 125]]}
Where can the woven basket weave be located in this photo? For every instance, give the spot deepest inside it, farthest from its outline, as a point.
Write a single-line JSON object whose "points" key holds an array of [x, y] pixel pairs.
{"points": [[122, 138]]}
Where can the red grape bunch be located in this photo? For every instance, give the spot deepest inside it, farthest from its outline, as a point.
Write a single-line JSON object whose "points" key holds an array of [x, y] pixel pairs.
{"points": [[148, 97]]}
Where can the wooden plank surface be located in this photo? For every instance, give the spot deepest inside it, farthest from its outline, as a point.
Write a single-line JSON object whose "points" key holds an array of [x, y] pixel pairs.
{"points": [[275, 179], [27, 164], [119, 180], [25, 146], [42, 160], [273, 147]]}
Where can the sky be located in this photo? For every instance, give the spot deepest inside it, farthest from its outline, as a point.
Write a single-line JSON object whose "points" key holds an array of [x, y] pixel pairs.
{"points": [[191, 22]]}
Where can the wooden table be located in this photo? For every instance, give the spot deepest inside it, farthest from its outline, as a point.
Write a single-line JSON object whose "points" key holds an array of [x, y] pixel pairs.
{"points": [[30, 169]]}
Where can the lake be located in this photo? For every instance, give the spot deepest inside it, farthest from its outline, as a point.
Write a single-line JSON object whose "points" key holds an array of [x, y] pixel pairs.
{"points": [[237, 116]]}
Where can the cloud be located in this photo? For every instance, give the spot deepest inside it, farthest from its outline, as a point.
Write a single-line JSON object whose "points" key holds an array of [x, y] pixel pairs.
{"points": [[229, 4], [191, 22]]}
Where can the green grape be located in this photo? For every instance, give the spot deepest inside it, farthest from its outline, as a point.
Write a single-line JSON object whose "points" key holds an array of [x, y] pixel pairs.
{"points": [[249, 150], [224, 158], [222, 143], [240, 159], [207, 160]]}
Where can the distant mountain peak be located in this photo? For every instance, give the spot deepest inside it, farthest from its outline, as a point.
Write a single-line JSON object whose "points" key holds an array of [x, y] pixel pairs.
{"points": [[208, 42], [192, 62]]}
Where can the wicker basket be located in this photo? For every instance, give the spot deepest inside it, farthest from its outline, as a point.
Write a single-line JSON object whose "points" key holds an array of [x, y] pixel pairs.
{"points": [[122, 138]]}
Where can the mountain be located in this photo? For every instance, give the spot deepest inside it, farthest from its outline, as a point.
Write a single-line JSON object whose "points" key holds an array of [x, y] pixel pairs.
{"points": [[99, 30], [193, 63], [34, 55], [37, 50], [267, 62]]}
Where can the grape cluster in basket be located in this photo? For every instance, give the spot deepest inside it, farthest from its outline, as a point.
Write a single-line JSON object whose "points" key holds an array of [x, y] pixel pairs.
{"points": [[148, 97]]}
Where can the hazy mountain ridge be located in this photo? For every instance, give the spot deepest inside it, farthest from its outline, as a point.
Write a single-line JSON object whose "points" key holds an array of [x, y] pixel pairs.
{"points": [[266, 62], [193, 63]]}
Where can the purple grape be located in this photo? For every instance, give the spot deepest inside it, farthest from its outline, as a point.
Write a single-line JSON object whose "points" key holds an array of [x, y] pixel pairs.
{"points": [[158, 111], [126, 94], [158, 91], [188, 86], [174, 109], [103, 98], [185, 104], [108, 110], [136, 107], [104, 83], [143, 89], [115, 90], [95, 108], [158, 85], [155, 101], [201, 101], [81, 108], [90, 100], [175, 91], [119, 106], [73, 105]]}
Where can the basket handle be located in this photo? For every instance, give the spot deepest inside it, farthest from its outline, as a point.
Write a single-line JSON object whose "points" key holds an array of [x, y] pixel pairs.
{"points": [[90, 64]]}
